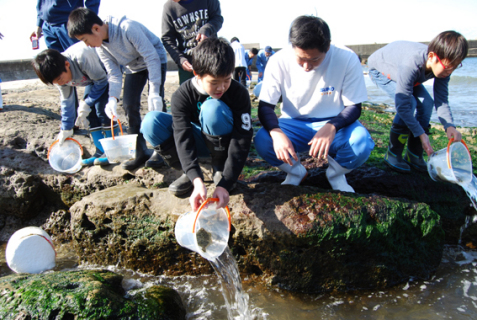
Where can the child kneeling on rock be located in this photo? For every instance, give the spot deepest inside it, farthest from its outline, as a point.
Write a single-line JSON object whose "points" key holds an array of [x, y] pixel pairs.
{"points": [[399, 69], [210, 117], [79, 65]]}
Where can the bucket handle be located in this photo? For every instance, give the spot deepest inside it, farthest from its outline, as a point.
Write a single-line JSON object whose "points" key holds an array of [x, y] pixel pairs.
{"points": [[56, 141], [112, 126], [448, 148], [203, 205]]}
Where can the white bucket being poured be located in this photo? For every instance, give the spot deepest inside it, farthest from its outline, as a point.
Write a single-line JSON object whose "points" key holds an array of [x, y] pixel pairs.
{"points": [[205, 231], [30, 250], [452, 164]]}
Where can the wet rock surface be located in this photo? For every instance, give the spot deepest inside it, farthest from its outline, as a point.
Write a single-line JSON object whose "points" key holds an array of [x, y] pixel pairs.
{"points": [[87, 294], [305, 238]]}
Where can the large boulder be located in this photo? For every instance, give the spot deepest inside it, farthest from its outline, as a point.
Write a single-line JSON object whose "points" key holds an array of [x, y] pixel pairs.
{"points": [[299, 238], [86, 295]]}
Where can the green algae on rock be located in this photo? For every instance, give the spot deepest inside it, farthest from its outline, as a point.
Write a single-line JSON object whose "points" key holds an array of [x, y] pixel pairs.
{"points": [[299, 238], [85, 294]]}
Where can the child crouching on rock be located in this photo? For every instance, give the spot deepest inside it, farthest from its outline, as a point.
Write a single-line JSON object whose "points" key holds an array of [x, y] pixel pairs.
{"points": [[399, 69], [210, 117], [79, 65]]}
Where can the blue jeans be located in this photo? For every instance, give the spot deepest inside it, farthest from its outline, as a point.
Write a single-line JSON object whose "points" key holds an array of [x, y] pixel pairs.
{"points": [[56, 37], [215, 119], [422, 103], [350, 148], [97, 117]]}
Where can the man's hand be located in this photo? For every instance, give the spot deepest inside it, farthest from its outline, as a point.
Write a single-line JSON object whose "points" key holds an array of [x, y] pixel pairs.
{"points": [[282, 146], [426, 144], [111, 107], [38, 33], [199, 195], [63, 135], [452, 132], [260, 74], [321, 142], [223, 195], [187, 66]]}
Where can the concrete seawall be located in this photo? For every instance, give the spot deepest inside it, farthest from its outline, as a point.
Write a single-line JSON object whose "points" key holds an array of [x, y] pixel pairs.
{"points": [[365, 50], [12, 70]]}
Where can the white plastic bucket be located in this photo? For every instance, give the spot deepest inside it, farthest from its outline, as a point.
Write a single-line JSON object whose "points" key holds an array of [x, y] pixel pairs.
{"points": [[452, 164], [67, 157], [120, 148], [205, 231], [30, 250]]}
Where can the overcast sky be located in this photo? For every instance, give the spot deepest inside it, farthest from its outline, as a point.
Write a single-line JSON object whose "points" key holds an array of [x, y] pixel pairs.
{"points": [[267, 21]]}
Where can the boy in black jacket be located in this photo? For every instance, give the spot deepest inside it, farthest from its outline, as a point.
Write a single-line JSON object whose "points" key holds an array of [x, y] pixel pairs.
{"points": [[210, 118]]}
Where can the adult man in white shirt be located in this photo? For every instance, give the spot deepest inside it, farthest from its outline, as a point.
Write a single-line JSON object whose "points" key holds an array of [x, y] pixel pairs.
{"points": [[322, 88]]}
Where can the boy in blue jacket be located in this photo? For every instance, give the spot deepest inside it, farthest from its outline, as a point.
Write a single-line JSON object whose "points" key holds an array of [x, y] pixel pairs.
{"points": [[78, 66], [399, 69], [126, 43]]}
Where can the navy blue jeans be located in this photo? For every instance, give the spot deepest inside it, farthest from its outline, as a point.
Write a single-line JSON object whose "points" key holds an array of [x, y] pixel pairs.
{"points": [[97, 117], [56, 37], [422, 103]]}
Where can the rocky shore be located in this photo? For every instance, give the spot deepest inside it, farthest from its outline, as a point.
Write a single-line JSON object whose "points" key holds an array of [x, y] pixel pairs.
{"points": [[306, 239]]}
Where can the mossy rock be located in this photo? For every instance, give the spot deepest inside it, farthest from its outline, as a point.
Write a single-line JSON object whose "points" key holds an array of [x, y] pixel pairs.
{"points": [[85, 294]]}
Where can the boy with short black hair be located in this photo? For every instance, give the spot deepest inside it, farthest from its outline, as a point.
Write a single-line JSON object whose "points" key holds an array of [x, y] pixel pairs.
{"points": [[78, 66], [210, 118], [399, 69], [129, 44]]}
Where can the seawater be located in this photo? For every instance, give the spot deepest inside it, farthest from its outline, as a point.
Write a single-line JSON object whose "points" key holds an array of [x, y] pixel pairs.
{"points": [[462, 94], [450, 294], [236, 300]]}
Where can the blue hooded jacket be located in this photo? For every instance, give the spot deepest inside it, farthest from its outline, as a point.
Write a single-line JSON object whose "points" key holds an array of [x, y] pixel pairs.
{"points": [[57, 11]]}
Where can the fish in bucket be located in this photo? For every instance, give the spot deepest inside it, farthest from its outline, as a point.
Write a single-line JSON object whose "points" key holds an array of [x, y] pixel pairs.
{"points": [[119, 148], [205, 231], [452, 164]]}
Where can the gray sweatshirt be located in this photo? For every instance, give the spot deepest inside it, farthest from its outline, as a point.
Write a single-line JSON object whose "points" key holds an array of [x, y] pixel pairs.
{"points": [[135, 48], [86, 69], [404, 62]]}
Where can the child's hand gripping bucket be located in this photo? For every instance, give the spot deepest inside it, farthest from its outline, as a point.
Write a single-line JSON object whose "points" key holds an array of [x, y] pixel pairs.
{"points": [[452, 164], [67, 157], [120, 148], [205, 231]]}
